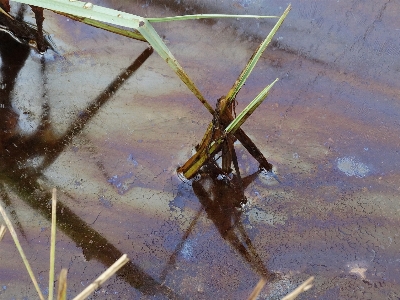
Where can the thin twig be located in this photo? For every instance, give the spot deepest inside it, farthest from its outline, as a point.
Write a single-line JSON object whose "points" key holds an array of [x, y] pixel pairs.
{"points": [[62, 285], [103, 277], [257, 289], [306, 285], [52, 242], [2, 231], [21, 252]]}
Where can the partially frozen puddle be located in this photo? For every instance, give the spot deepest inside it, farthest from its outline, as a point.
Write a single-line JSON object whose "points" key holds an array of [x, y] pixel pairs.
{"points": [[110, 139]]}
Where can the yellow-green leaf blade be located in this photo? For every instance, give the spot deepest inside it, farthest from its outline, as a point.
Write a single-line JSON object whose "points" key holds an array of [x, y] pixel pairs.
{"points": [[254, 59], [206, 16]]}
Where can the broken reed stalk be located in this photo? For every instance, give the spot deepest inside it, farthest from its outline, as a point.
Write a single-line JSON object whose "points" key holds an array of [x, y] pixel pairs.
{"points": [[2, 231], [52, 242], [206, 151], [103, 277], [62, 285], [21, 252], [191, 167], [257, 289], [305, 286]]}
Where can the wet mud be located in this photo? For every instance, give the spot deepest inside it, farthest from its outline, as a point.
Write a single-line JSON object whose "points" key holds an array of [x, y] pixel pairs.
{"points": [[108, 123]]}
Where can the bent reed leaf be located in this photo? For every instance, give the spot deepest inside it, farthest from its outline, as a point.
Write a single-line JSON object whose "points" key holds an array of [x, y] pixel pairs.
{"points": [[93, 15], [207, 16]]}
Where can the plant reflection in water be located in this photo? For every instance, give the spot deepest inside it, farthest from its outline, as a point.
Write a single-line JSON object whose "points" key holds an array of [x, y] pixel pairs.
{"points": [[222, 198], [222, 202], [16, 149]]}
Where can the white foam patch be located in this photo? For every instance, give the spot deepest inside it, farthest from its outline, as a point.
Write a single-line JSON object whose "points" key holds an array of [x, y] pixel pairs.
{"points": [[359, 268], [351, 167], [187, 250]]}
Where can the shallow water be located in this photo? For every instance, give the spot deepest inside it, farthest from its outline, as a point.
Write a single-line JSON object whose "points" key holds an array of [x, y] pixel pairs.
{"points": [[330, 127]]}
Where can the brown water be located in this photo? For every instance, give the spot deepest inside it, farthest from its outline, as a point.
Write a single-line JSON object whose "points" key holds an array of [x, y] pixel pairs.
{"points": [[110, 133]]}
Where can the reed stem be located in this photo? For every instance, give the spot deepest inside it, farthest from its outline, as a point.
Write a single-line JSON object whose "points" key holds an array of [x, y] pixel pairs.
{"points": [[21, 252]]}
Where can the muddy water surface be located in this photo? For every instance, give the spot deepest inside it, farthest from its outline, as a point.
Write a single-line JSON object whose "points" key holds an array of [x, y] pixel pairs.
{"points": [[109, 132]]}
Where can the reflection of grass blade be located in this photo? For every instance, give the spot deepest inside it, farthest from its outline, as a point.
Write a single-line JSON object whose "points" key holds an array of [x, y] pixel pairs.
{"points": [[52, 242], [21, 252], [149, 33], [103, 277], [206, 16], [242, 117], [62, 285], [130, 34], [253, 60], [92, 109]]}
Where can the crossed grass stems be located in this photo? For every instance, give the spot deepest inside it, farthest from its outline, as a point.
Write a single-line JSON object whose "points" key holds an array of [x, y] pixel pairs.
{"points": [[224, 129]]}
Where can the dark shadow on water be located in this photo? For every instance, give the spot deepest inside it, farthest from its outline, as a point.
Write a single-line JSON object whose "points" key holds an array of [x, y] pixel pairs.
{"points": [[222, 199], [16, 149]]}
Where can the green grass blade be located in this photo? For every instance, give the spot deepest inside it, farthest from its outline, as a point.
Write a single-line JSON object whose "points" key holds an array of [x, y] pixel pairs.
{"points": [[254, 59], [115, 17], [242, 117], [197, 161], [149, 33], [206, 16], [130, 34], [88, 10]]}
